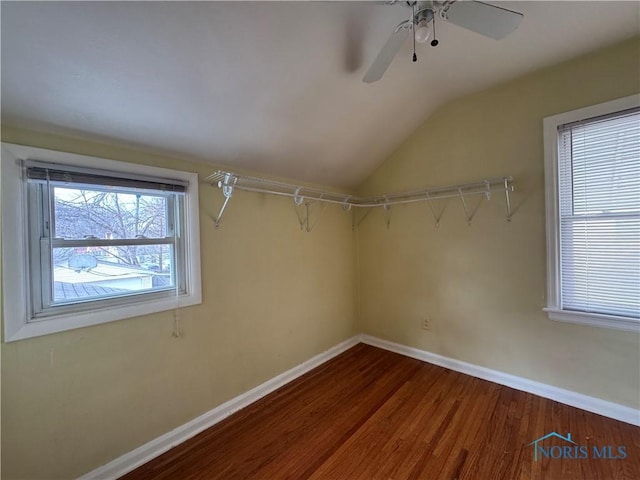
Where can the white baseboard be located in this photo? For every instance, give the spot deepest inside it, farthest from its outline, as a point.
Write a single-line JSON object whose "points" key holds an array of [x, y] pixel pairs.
{"points": [[158, 446], [578, 400], [141, 455]]}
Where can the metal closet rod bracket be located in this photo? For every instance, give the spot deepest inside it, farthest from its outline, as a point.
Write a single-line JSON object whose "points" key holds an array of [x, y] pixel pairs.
{"points": [[229, 182]]}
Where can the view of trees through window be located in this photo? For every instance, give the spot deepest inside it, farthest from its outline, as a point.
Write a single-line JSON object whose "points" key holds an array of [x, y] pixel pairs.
{"points": [[101, 214]]}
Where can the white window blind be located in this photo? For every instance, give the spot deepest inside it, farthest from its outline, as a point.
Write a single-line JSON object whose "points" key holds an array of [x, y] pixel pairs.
{"points": [[599, 207]]}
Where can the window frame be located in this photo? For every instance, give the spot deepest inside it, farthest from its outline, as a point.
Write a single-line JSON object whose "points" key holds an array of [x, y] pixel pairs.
{"points": [[20, 319], [554, 295], [40, 204]]}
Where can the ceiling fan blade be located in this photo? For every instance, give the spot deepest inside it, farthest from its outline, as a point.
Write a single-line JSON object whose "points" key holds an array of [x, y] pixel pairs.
{"points": [[384, 58], [488, 20]]}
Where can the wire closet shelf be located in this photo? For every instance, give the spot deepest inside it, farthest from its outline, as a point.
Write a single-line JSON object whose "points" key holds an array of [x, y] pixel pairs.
{"points": [[228, 182]]}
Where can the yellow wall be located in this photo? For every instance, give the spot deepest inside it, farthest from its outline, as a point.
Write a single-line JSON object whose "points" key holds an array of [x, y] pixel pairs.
{"points": [[484, 285], [273, 296]]}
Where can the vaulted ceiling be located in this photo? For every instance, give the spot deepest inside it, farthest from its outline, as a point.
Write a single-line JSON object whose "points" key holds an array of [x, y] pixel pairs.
{"points": [[274, 87]]}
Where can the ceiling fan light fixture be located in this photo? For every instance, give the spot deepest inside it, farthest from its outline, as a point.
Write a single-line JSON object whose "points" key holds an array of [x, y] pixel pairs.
{"points": [[422, 31], [487, 20]]}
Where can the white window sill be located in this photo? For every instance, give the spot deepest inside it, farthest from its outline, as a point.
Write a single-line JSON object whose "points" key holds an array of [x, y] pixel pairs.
{"points": [[70, 321], [615, 322]]}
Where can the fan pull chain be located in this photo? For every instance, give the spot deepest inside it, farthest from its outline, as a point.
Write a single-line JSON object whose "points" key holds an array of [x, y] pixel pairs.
{"points": [[434, 42], [413, 32]]}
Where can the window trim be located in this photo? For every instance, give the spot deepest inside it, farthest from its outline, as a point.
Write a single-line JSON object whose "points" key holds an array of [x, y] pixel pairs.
{"points": [[18, 323], [550, 133]]}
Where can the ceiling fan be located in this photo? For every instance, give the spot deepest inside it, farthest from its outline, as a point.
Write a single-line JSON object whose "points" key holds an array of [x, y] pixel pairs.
{"points": [[488, 20]]}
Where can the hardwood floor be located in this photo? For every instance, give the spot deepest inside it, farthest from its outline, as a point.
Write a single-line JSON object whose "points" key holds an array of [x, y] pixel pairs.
{"points": [[373, 414]]}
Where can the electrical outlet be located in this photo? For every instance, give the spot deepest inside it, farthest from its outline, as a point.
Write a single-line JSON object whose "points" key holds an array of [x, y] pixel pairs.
{"points": [[426, 323]]}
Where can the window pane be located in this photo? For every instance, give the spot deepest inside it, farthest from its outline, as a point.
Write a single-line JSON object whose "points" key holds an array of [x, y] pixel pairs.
{"points": [[599, 181], [601, 265], [82, 213], [99, 272]]}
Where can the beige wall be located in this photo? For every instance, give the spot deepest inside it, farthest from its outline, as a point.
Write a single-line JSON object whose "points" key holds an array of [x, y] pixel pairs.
{"points": [[273, 296], [484, 285]]}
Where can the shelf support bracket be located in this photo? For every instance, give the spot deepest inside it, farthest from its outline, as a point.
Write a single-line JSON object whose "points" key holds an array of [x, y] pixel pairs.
{"points": [[357, 220], [305, 222], [436, 218], [464, 205], [507, 189], [471, 214], [227, 191], [387, 212]]}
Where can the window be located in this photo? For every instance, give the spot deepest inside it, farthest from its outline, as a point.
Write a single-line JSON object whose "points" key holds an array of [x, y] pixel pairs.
{"points": [[593, 215], [103, 241]]}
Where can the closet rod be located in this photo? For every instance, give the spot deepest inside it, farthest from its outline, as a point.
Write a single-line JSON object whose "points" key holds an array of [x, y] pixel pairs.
{"points": [[229, 181]]}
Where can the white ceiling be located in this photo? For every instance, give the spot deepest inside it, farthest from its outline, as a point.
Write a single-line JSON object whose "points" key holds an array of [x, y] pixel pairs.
{"points": [[273, 87]]}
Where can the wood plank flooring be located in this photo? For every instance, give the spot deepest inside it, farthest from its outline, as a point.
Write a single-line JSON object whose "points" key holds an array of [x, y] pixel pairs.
{"points": [[373, 414]]}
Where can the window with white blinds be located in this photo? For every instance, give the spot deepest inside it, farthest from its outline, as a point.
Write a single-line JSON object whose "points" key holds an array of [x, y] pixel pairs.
{"points": [[599, 206], [592, 172], [89, 240]]}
